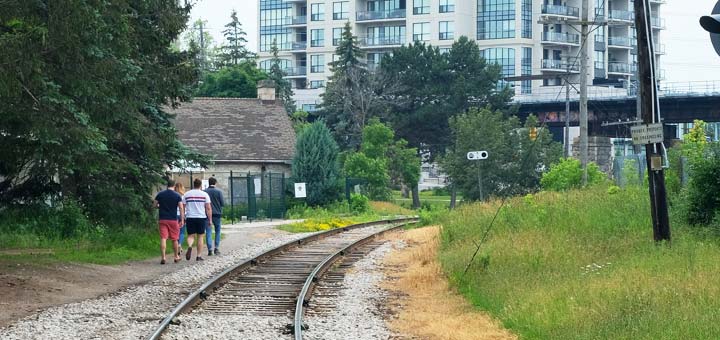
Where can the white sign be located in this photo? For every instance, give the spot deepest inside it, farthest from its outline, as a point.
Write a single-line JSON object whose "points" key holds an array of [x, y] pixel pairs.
{"points": [[647, 134], [300, 190], [476, 155], [205, 184], [257, 181]]}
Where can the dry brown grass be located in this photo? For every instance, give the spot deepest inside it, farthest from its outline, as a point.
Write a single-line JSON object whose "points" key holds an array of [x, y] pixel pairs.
{"points": [[429, 308], [388, 208]]}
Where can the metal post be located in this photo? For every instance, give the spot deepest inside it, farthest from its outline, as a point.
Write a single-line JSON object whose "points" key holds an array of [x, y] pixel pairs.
{"points": [[583, 92], [270, 190], [653, 154], [480, 186], [568, 146], [232, 198]]}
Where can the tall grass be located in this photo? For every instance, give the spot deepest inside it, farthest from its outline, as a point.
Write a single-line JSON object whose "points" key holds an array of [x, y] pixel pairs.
{"points": [[582, 265]]}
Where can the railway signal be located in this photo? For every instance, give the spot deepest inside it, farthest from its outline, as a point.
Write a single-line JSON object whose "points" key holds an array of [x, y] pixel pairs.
{"points": [[711, 23]]}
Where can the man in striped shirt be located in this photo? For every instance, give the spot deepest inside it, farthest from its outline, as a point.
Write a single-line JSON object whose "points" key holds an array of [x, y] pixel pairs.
{"points": [[197, 210]]}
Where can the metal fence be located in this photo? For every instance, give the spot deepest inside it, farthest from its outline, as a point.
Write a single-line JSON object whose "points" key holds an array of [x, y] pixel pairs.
{"points": [[248, 196], [631, 170]]}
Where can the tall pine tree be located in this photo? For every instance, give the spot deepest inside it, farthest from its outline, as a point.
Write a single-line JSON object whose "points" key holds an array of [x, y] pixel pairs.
{"points": [[234, 51], [316, 164], [283, 90]]}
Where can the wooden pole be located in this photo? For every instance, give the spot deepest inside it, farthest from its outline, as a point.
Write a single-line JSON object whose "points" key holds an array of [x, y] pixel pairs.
{"points": [[649, 107], [583, 91]]}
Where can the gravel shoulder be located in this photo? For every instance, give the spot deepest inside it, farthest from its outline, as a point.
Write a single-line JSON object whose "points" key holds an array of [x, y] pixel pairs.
{"points": [[37, 286]]}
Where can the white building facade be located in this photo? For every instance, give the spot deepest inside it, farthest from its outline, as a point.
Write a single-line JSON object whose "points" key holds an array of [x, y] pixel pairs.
{"points": [[526, 37]]}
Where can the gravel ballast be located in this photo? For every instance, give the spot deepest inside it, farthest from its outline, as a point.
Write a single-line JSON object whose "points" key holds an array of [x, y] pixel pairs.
{"points": [[134, 312]]}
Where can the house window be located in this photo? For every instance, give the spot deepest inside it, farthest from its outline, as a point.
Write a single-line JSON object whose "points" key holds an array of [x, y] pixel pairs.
{"points": [[337, 36], [447, 6], [316, 84], [317, 63], [421, 31], [341, 10], [447, 30], [317, 38], [421, 6], [317, 12]]}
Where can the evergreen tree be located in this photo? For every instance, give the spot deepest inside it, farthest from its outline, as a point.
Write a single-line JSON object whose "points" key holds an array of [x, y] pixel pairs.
{"points": [[235, 81], [316, 164], [283, 89], [349, 54], [234, 51]]}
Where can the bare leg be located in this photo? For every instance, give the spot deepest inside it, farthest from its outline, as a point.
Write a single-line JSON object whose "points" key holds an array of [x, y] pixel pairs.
{"points": [[175, 248], [190, 240], [163, 246], [200, 245]]}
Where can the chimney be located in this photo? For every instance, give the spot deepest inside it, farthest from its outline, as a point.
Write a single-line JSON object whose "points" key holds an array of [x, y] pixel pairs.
{"points": [[266, 90]]}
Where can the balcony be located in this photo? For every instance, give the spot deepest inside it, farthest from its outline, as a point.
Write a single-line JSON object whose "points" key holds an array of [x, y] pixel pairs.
{"points": [[561, 11], [621, 68], [658, 23], [622, 42], [295, 1], [300, 20], [382, 41], [558, 65], [658, 48], [624, 16], [560, 38], [381, 15], [298, 46], [295, 72]]}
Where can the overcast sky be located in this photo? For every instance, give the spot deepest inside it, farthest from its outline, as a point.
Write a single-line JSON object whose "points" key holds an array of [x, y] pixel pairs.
{"points": [[689, 53]]}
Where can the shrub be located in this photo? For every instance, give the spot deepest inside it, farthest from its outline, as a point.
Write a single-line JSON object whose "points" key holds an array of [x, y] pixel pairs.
{"points": [[704, 188], [359, 203], [316, 164], [567, 174]]}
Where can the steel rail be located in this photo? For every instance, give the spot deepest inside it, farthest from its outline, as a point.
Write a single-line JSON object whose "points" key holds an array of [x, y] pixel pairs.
{"points": [[201, 293], [320, 269]]}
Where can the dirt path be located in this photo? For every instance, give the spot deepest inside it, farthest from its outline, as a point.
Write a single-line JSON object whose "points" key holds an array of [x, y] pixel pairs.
{"points": [[30, 286], [423, 304]]}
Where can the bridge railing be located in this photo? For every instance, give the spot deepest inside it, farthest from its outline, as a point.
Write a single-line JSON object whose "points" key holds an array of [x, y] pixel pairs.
{"points": [[665, 89]]}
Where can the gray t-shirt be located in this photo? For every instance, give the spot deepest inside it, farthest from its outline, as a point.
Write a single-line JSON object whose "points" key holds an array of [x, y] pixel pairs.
{"points": [[216, 200]]}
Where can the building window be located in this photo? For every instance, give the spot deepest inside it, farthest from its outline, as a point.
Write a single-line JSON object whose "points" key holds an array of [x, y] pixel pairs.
{"points": [[421, 6], [527, 19], [526, 65], [421, 31], [317, 12], [505, 57], [309, 107], [316, 84], [285, 65], [496, 19], [317, 63], [373, 60], [337, 36], [447, 6], [447, 30], [317, 38], [274, 15], [444, 50], [341, 10], [385, 35]]}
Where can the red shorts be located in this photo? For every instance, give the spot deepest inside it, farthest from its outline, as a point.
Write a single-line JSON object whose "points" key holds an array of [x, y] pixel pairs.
{"points": [[169, 229]]}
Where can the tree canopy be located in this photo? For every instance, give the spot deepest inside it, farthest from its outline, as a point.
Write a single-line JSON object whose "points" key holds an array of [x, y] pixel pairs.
{"points": [[316, 164], [234, 51], [235, 81], [84, 89]]}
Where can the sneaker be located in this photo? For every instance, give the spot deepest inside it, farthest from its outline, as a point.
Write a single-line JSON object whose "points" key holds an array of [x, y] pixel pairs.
{"points": [[179, 251], [217, 252], [210, 252], [162, 261], [199, 259], [188, 254]]}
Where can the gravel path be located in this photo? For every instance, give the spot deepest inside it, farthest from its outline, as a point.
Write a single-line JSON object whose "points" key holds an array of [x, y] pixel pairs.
{"points": [[134, 312], [356, 315]]}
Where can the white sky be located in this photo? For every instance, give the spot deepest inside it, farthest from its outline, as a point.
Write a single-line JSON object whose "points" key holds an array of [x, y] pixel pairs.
{"points": [[689, 53]]}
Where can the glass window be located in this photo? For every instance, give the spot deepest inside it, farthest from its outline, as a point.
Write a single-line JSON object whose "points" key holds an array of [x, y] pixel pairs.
{"points": [[421, 31], [496, 19], [447, 6], [527, 19], [447, 30], [385, 35], [421, 6], [341, 10], [444, 50], [285, 64], [505, 57], [316, 84], [337, 36], [317, 12], [526, 64], [317, 63], [317, 38], [274, 15]]}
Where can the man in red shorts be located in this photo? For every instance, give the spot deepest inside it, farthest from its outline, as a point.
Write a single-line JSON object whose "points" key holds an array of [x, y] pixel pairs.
{"points": [[169, 201]]}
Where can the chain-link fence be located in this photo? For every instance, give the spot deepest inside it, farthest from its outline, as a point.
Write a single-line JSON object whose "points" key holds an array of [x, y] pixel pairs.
{"points": [[631, 170], [248, 196]]}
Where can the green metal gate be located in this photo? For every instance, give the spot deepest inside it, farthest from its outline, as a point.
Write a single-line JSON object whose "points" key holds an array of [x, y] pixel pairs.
{"points": [[257, 196]]}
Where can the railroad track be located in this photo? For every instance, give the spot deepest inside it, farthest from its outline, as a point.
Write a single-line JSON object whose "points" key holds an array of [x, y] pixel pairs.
{"points": [[281, 281]]}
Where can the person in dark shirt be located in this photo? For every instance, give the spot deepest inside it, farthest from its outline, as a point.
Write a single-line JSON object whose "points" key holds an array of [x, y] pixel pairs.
{"points": [[216, 199], [169, 201]]}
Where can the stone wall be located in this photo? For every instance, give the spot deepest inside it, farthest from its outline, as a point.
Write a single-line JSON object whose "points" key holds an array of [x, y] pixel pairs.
{"points": [[599, 152]]}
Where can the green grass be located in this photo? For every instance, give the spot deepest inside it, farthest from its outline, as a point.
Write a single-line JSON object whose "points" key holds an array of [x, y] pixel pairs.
{"points": [[583, 265], [109, 247]]}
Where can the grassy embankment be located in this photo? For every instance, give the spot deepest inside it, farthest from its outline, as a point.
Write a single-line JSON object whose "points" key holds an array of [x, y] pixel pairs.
{"points": [[340, 215], [582, 265]]}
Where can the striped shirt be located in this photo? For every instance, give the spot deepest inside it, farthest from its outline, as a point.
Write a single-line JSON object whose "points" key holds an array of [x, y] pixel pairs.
{"points": [[194, 201]]}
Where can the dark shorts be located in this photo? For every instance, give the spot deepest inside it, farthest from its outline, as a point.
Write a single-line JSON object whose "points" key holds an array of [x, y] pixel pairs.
{"points": [[195, 225]]}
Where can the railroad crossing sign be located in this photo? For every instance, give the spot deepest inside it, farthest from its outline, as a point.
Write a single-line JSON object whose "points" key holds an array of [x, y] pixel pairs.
{"points": [[300, 190], [647, 133], [477, 155]]}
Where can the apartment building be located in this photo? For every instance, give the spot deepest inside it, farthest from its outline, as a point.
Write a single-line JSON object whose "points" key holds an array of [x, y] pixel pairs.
{"points": [[526, 37]]}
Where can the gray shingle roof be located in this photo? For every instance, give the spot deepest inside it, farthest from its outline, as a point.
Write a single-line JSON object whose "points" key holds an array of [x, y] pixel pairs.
{"points": [[236, 129]]}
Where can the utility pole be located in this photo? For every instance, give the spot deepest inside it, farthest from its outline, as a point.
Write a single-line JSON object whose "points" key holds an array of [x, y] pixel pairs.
{"points": [[649, 108], [583, 91], [567, 114], [202, 46]]}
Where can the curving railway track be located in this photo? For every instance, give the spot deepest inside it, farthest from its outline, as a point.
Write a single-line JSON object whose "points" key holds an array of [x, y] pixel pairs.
{"points": [[280, 282]]}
